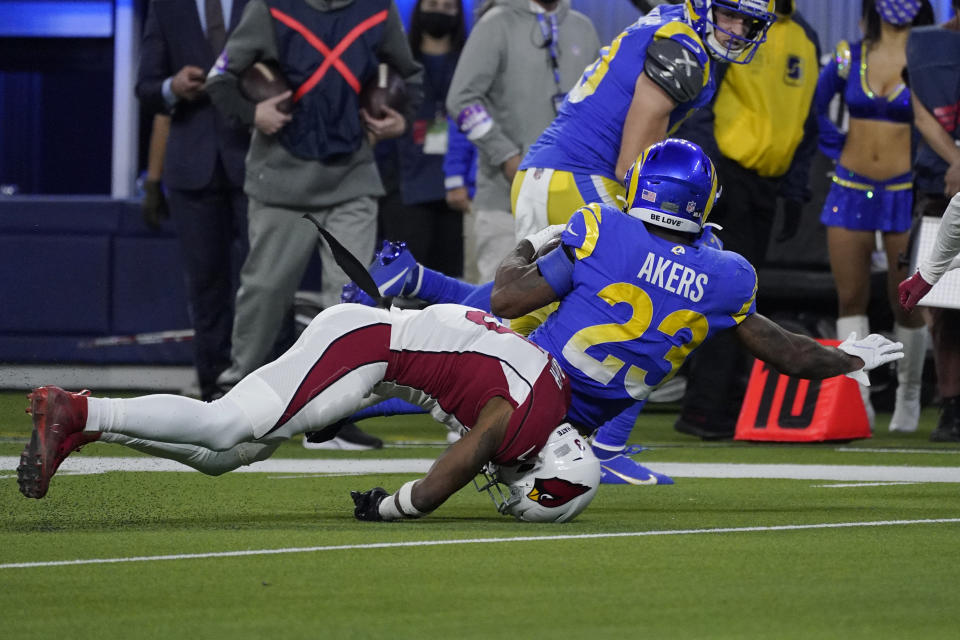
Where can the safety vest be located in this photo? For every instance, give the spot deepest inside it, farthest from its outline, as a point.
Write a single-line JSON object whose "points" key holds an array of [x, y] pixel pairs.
{"points": [[327, 57]]}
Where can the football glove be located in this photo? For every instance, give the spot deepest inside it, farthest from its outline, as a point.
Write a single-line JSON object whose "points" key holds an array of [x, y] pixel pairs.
{"points": [[367, 504], [154, 206], [543, 236], [874, 350], [912, 290]]}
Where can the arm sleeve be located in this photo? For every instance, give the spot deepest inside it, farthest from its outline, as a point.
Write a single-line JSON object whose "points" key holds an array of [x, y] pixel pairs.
{"points": [[557, 269], [252, 40], [169, 99], [460, 162], [828, 85], [480, 64], [947, 245], [154, 70]]}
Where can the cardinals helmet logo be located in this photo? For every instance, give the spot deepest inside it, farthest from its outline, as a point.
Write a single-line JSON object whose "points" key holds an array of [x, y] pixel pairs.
{"points": [[553, 492]]}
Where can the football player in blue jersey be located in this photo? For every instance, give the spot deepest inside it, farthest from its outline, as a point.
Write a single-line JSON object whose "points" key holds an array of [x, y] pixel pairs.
{"points": [[640, 89], [639, 290]]}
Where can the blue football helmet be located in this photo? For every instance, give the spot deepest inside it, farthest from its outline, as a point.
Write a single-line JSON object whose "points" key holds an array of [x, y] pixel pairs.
{"points": [[757, 16], [673, 184]]}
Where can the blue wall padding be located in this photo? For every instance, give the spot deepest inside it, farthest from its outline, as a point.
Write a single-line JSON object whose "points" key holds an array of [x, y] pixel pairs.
{"points": [[74, 268], [59, 283], [149, 290]]}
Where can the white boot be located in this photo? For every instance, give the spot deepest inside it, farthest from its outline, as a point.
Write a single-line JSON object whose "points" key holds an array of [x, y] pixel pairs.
{"points": [[861, 326], [906, 412]]}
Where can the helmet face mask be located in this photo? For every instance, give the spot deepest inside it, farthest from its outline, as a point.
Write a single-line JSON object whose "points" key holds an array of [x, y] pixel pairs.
{"points": [[554, 487], [706, 17], [673, 184]]}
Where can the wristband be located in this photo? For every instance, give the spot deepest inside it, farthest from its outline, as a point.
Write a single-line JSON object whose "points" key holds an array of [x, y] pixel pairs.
{"points": [[400, 504], [557, 269], [474, 121]]}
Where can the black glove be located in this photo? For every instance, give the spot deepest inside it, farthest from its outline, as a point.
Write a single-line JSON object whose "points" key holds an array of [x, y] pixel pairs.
{"points": [[154, 207], [367, 504], [792, 212]]}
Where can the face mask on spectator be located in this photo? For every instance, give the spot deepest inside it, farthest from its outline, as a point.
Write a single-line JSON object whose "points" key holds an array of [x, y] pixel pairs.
{"points": [[438, 24]]}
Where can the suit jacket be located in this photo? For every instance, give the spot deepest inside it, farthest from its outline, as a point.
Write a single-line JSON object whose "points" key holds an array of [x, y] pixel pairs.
{"points": [[173, 38]]}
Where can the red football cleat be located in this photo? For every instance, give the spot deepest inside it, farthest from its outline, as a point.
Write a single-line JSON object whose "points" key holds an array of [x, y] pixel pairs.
{"points": [[58, 420]]}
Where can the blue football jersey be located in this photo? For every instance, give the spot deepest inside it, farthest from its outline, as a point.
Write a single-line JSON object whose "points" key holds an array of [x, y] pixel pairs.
{"points": [[585, 135], [639, 306]]}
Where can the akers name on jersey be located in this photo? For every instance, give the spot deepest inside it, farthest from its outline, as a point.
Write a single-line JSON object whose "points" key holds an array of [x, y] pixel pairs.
{"points": [[640, 304], [673, 277]]}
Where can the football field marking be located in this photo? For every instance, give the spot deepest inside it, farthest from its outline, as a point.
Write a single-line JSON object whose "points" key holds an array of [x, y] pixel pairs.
{"points": [[845, 485], [83, 465], [885, 450], [438, 543]]}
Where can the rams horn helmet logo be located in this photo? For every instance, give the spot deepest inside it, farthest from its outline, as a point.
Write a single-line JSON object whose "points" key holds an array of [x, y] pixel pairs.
{"points": [[553, 492]]}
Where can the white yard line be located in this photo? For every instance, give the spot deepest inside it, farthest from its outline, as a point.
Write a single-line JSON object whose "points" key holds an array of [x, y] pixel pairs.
{"points": [[437, 543], [881, 450], [860, 484], [843, 473], [356, 466]]}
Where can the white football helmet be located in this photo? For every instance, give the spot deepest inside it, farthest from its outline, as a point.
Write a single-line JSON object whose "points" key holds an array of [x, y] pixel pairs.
{"points": [[553, 487]]}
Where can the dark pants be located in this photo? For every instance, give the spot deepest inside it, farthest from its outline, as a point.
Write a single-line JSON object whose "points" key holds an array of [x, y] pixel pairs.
{"points": [[212, 226], [718, 371], [432, 230]]}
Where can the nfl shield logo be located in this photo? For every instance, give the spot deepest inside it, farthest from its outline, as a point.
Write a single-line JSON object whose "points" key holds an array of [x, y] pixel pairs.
{"points": [[691, 206]]}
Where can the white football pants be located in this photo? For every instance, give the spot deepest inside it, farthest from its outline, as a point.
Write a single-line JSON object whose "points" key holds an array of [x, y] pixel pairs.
{"points": [[309, 387]]}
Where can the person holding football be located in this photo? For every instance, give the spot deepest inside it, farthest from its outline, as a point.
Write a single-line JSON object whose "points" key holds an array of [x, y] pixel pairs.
{"points": [[315, 160]]}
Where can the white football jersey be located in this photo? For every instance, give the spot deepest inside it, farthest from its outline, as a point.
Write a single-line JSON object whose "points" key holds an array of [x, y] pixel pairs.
{"points": [[431, 349]]}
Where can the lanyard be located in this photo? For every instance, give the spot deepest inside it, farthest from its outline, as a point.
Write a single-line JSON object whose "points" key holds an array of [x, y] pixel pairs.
{"points": [[551, 35]]}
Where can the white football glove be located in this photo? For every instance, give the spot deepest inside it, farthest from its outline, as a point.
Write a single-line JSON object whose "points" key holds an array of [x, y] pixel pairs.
{"points": [[544, 236], [874, 350]]}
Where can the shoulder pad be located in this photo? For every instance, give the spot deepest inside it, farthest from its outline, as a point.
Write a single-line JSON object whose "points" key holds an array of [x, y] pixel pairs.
{"points": [[842, 56], [674, 69], [583, 229]]}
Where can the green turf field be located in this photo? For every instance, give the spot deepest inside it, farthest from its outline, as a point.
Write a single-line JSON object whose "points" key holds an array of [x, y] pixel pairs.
{"points": [[261, 555]]}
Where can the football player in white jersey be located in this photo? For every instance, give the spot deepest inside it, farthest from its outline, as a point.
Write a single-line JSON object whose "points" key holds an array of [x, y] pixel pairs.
{"points": [[504, 394], [944, 324], [941, 259]]}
